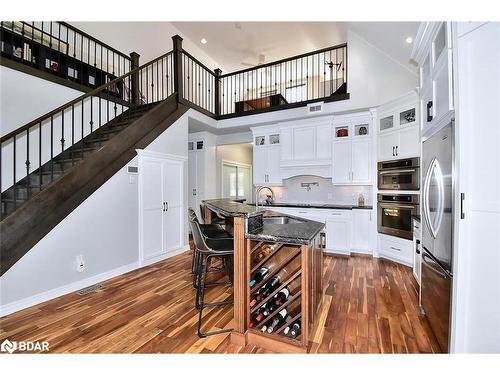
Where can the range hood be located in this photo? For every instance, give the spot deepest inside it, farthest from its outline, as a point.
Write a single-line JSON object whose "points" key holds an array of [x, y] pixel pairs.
{"points": [[318, 167]]}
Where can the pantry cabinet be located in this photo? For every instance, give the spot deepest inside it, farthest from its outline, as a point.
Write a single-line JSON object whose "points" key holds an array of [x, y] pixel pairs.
{"points": [[161, 204]]}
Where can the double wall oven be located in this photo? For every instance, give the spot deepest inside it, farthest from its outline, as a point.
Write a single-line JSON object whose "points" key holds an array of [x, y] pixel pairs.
{"points": [[395, 206]]}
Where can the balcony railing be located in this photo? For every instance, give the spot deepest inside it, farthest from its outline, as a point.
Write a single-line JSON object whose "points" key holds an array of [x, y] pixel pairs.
{"points": [[285, 83], [62, 50]]}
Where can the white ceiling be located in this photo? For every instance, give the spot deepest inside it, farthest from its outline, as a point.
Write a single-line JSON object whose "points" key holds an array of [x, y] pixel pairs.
{"points": [[231, 43]]}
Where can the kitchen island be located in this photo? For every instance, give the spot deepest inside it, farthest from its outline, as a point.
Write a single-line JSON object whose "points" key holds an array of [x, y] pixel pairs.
{"points": [[290, 249]]}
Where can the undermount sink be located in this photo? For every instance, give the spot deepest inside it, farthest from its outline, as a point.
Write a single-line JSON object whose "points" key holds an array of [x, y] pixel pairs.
{"points": [[281, 220]]}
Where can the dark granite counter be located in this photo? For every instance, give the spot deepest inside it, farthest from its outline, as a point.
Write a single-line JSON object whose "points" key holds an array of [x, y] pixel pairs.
{"points": [[301, 232], [230, 208], [317, 205], [297, 233]]}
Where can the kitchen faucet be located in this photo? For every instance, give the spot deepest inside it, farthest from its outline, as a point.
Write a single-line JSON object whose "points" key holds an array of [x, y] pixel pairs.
{"points": [[269, 199]]}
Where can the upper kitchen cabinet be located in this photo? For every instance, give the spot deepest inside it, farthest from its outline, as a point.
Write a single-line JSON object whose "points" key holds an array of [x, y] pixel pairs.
{"points": [[398, 130], [352, 150], [306, 147], [266, 156], [432, 51]]}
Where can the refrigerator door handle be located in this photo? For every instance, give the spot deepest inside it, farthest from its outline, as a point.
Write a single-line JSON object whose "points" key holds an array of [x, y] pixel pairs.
{"points": [[432, 265], [434, 166]]}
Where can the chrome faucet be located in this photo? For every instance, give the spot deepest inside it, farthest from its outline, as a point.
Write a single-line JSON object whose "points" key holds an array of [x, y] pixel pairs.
{"points": [[269, 199]]}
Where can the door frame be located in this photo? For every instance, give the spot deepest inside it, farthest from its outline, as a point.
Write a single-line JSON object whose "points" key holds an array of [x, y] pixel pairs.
{"points": [[237, 165]]}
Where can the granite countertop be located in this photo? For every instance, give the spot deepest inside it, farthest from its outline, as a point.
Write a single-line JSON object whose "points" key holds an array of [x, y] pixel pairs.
{"points": [[230, 208], [296, 233], [317, 205]]}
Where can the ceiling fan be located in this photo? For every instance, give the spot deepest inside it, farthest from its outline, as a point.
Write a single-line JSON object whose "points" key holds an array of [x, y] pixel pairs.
{"points": [[261, 60]]}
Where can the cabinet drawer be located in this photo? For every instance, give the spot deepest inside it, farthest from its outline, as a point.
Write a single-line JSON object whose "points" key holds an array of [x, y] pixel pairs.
{"points": [[397, 249]]}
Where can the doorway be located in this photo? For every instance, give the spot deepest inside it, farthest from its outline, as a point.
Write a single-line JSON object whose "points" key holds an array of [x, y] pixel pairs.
{"points": [[236, 180]]}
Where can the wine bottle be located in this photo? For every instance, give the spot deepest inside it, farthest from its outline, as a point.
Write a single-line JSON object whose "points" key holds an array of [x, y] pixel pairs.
{"points": [[277, 320], [259, 316], [281, 296], [259, 276], [263, 329], [295, 330], [263, 253], [265, 290]]}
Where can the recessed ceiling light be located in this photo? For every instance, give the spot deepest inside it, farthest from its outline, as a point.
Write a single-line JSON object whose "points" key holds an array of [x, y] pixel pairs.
{"points": [[203, 41], [409, 40]]}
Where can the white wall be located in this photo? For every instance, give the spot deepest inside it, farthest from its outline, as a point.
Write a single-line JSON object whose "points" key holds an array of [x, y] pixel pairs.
{"points": [[148, 39], [104, 229], [374, 78], [24, 97]]}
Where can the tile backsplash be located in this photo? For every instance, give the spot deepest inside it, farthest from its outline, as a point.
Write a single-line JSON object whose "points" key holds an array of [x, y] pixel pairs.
{"points": [[320, 190]]}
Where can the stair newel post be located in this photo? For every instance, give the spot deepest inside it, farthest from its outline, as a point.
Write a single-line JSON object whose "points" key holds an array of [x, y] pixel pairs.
{"points": [[178, 76], [217, 91], [134, 64]]}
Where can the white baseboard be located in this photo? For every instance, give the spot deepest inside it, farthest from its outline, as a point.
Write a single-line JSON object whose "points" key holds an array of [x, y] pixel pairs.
{"points": [[339, 252], [65, 289], [163, 256]]}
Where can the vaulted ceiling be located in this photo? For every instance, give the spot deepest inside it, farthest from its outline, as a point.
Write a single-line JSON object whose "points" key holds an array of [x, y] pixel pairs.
{"points": [[237, 45]]}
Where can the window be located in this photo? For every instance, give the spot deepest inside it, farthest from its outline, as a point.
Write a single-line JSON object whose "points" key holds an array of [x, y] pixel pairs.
{"points": [[236, 181]]}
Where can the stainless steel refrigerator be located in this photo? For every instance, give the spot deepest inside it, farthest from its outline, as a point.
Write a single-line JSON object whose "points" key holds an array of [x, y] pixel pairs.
{"points": [[437, 232]]}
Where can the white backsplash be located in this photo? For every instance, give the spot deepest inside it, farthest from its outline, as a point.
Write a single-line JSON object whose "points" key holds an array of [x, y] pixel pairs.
{"points": [[293, 192]]}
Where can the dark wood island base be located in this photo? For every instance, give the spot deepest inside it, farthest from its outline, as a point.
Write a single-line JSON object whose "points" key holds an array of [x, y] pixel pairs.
{"points": [[294, 256]]}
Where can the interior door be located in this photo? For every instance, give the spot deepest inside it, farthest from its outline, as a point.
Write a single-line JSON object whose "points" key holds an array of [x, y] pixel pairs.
{"points": [[173, 223], [152, 207], [361, 160], [341, 162]]}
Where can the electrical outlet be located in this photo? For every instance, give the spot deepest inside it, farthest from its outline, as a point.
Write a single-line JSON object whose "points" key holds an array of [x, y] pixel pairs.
{"points": [[79, 263]]}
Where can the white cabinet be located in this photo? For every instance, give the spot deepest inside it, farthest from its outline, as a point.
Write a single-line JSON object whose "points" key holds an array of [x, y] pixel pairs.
{"points": [[361, 231], [352, 162], [394, 248], [435, 59], [266, 158], [338, 231], [399, 135], [161, 204], [352, 150], [341, 167]]}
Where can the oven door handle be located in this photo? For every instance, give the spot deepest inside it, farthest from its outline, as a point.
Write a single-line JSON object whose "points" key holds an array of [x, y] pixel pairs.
{"points": [[393, 172], [395, 205]]}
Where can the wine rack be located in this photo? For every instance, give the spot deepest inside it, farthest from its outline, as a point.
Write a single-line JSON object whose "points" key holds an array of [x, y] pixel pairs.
{"points": [[285, 261]]}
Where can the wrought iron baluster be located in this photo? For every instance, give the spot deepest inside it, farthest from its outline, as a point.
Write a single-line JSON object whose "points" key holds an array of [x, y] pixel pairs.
{"points": [[14, 171], [62, 131]]}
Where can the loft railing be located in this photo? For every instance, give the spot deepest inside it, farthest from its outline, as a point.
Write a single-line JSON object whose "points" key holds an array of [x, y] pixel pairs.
{"points": [[27, 149], [305, 78], [62, 50], [291, 82]]}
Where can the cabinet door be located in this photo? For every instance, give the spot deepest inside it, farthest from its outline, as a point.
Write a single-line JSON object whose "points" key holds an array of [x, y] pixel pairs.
{"points": [[361, 220], [192, 183], [173, 177], [426, 108], [286, 144], [152, 207], [409, 142], [387, 143], [259, 165], [324, 142], [304, 143], [341, 168], [361, 151], [338, 234], [273, 165], [442, 86]]}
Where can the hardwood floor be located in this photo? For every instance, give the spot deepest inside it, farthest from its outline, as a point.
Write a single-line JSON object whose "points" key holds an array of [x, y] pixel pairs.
{"points": [[370, 307]]}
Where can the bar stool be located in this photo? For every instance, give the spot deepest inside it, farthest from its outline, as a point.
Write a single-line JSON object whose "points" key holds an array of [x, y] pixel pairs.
{"points": [[218, 220], [209, 231], [209, 248]]}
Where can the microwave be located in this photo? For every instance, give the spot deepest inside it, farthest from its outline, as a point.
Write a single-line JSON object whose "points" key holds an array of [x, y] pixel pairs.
{"points": [[399, 174]]}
